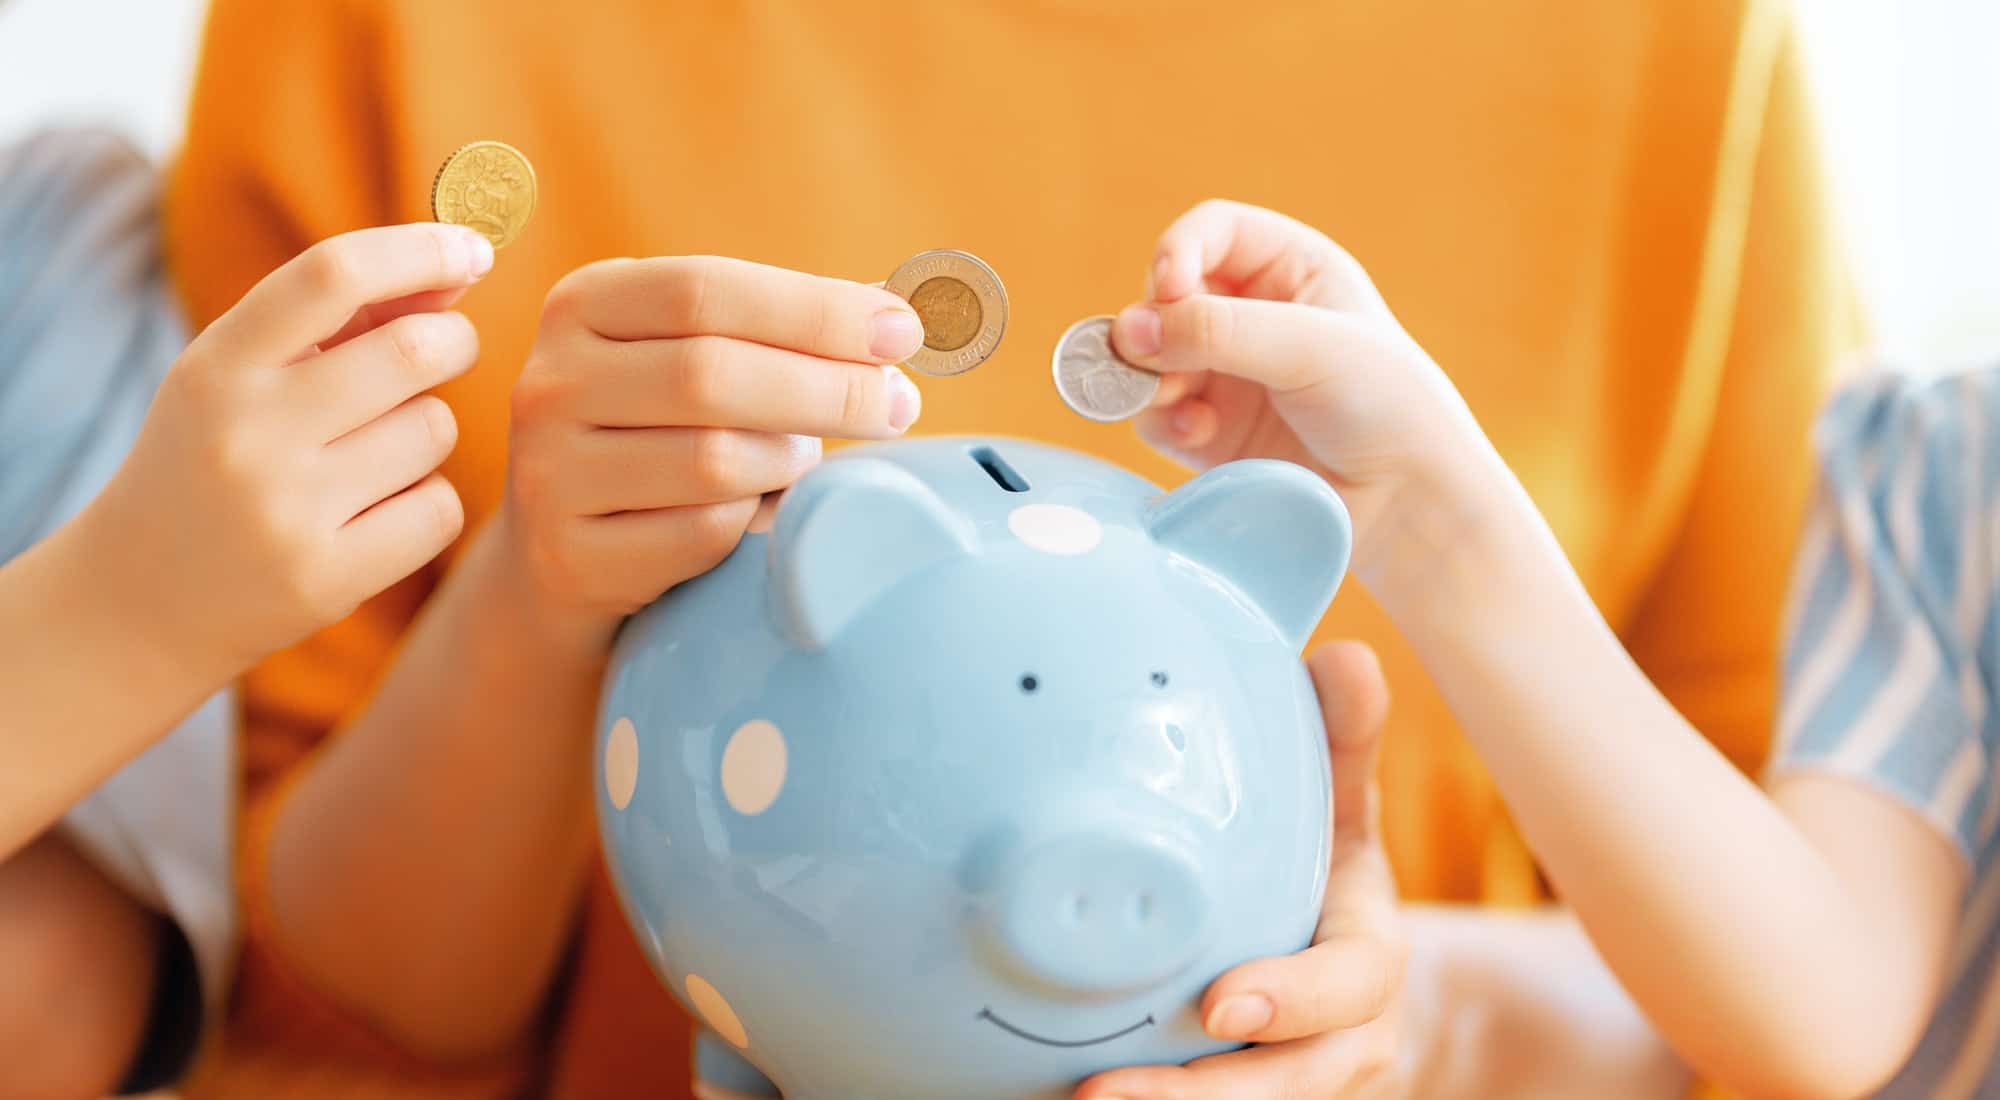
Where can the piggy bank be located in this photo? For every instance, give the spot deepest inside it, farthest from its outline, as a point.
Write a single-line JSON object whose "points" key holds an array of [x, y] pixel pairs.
{"points": [[969, 777]]}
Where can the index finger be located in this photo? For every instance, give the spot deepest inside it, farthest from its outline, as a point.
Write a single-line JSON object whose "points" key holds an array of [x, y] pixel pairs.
{"points": [[674, 296], [1252, 252], [312, 298]]}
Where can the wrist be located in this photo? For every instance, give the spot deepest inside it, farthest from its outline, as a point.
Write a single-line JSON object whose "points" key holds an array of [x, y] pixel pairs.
{"points": [[1466, 564], [120, 604], [1440, 531]]}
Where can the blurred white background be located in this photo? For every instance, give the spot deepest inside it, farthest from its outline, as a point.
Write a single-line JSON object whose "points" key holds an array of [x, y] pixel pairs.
{"points": [[123, 63], [1910, 107], [1910, 93]]}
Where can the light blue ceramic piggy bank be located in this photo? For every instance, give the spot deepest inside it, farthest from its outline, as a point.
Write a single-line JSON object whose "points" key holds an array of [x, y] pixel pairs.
{"points": [[967, 779]]}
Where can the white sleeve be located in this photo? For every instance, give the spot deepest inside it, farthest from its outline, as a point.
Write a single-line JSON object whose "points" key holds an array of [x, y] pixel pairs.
{"points": [[161, 828]]}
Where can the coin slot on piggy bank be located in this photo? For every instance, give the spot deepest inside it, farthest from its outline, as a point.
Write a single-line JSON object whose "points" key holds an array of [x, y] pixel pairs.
{"points": [[967, 778], [996, 468]]}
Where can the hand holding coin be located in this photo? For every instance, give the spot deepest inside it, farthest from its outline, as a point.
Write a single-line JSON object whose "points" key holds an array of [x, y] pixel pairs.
{"points": [[664, 398], [1276, 344]]}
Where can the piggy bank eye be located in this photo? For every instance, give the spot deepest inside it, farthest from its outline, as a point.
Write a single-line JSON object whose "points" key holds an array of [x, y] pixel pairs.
{"points": [[1160, 679], [1029, 684]]}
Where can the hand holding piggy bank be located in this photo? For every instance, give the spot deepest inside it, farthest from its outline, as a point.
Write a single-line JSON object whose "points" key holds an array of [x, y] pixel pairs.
{"points": [[967, 779]]}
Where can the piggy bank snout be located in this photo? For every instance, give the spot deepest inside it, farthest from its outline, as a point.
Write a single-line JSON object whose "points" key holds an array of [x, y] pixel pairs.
{"points": [[1103, 911]]}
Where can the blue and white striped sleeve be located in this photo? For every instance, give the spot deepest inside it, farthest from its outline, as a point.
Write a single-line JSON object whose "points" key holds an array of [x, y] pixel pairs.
{"points": [[1890, 631]]}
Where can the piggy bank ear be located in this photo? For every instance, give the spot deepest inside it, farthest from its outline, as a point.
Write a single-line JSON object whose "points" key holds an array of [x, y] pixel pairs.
{"points": [[1277, 533], [846, 533]]}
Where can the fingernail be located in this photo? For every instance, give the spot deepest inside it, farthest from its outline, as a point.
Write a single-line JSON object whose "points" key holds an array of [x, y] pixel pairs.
{"points": [[897, 335], [1239, 1017], [482, 254], [1183, 421], [1162, 269], [904, 400]]}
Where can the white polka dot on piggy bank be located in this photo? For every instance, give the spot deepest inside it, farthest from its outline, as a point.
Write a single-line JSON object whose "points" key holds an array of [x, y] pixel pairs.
{"points": [[753, 767], [714, 1010], [979, 766], [1055, 528], [621, 763]]}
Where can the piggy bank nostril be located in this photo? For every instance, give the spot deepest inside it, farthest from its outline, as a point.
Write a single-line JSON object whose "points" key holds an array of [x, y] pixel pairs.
{"points": [[1142, 908]]}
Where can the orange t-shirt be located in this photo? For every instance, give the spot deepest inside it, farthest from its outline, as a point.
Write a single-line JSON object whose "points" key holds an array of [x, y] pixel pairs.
{"points": [[1604, 220]]}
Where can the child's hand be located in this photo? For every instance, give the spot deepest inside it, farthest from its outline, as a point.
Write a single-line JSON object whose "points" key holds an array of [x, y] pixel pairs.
{"points": [[285, 470], [1276, 345], [664, 397]]}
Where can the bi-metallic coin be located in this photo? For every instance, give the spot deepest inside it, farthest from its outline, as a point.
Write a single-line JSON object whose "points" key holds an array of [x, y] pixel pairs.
{"points": [[962, 305]]}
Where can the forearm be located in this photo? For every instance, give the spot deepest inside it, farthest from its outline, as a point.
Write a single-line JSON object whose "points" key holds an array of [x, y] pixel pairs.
{"points": [[425, 872], [85, 685], [1749, 952], [1518, 1005]]}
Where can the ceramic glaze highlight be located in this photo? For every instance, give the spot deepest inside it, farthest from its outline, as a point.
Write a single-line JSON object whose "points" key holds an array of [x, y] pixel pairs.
{"points": [[968, 778]]}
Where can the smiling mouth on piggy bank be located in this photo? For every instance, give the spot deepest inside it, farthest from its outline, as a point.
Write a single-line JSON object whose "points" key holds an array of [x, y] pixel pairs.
{"points": [[993, 1018]]}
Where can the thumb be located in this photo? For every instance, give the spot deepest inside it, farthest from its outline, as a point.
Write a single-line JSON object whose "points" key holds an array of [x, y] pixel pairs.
{"points": [[1279, 345], [1353, 700]]}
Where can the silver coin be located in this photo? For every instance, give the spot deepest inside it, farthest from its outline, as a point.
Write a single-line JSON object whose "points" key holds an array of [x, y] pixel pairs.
{"points": [[1094, 381]]}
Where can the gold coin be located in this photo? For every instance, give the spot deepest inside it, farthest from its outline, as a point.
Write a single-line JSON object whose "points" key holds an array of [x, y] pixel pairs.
{"points": [[962, 305], [950, 311], [488, 187]]}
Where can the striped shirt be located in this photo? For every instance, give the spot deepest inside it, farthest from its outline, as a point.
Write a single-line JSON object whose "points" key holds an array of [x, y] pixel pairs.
{"points": [[87, 330], [1894, 651]]}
